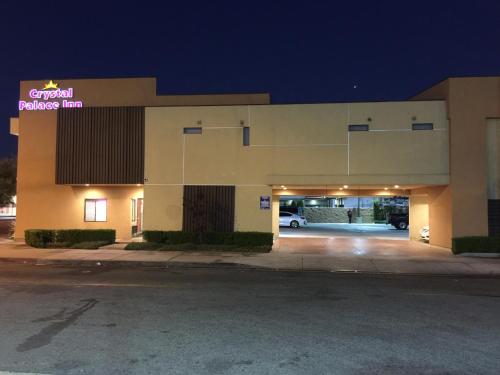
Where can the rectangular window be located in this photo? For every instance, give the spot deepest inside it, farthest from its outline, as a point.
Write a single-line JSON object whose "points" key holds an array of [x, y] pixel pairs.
{"points": [[95, 209], [359, 128], [134, 209], [423, 126], [246, 136], [192, 130]]}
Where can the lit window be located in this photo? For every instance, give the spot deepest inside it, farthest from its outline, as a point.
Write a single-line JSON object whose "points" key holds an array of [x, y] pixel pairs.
{"points": [[192, 130], [359, 128], [423, 126], [95, 209], [134, 210]]}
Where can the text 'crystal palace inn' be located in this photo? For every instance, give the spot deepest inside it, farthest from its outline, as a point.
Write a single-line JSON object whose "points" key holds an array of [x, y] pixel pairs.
{"points": [[111, 153]]}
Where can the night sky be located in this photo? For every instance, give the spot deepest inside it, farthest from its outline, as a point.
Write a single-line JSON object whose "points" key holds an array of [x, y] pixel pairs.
{"points": [[299, 51]]}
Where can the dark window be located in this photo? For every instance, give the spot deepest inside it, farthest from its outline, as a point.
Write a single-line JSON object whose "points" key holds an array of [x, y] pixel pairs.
{"points": [[95, 210], [285, 214], [192, 130], [359, 128], [423, 126], [246, 136]]}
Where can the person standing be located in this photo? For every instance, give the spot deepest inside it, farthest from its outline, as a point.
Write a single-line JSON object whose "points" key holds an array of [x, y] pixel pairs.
{"points": [[349, 215]]}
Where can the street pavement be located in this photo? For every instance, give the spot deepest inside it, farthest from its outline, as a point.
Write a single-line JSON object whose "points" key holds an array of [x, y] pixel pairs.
{"points": [[60, 320]]}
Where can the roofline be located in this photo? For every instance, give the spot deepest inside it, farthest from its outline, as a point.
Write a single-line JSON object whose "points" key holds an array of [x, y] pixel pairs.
{"points": [[452, 77], [158, 93]]}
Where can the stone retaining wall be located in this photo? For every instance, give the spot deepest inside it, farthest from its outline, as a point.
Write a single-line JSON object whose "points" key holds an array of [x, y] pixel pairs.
{"points": [[336, 215]]}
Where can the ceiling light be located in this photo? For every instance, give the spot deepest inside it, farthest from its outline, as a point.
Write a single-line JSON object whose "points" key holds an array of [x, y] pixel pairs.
{"points": [[341, 189], [346, 186], [386, 188], [396, 186]]}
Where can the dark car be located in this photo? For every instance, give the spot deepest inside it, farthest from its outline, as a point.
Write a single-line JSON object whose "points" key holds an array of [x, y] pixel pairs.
{"points": [[399, 221]]}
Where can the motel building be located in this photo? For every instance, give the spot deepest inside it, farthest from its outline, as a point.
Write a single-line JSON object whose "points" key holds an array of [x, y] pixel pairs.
{"points": [[112, 153]]}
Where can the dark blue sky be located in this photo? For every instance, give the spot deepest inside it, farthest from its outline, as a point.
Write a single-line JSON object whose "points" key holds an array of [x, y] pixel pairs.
{"points": [[299, 51]]}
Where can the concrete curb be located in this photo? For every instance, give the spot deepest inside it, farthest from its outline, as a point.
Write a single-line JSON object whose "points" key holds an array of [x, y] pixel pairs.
{"points": [[222, 266], [124, 263]]}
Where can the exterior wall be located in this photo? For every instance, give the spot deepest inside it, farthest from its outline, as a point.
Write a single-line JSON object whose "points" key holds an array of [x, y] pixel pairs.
{"points": [[42, 203], [163, 207], [248, 214], [471, 101], [419, 214], [493, 158], [276, 216], [439, 214], [306, 144]]}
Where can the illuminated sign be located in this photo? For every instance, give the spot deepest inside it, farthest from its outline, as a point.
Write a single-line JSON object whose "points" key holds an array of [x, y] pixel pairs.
{"points": [[49, 98]]}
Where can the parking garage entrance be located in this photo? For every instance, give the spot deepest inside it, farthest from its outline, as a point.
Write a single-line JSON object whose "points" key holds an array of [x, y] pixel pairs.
{"points": [[350, 224]]}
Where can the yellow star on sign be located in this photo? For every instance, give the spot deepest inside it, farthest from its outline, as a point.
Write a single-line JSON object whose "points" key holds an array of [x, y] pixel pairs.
{"points": [[50, 85]]}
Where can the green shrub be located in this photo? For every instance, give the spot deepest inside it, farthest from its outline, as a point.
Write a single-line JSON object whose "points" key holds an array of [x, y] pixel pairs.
{"points": [[39, 237], [67, 237], [475, 244], [211, 238], [74, 236]]}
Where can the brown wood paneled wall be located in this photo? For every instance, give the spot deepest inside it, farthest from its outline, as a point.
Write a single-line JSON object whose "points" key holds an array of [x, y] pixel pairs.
{"points": [[208, 209], [101, 145]]}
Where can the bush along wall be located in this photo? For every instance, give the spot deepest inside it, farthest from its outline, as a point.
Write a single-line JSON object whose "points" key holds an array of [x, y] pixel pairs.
{"points": [[67, 237], [475, 244], [242, 239]]}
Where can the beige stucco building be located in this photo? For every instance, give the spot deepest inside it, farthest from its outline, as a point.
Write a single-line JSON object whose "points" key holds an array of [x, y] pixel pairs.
{"points": [[111, 153]]}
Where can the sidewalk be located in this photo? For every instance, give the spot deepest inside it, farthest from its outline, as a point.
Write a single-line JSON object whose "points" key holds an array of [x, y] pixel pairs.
{"points": [[453, 265]]}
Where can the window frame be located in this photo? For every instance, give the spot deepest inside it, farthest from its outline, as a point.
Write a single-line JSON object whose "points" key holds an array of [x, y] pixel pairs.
{"points": [[95, 200]]}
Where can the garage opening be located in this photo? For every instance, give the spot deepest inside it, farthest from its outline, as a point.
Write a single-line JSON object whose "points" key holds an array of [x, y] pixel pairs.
{"points": [[347, 216]]}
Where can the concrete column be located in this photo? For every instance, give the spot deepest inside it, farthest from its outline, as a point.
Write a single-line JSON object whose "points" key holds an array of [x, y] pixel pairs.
{"points": [[276, 215], [419, 214]]}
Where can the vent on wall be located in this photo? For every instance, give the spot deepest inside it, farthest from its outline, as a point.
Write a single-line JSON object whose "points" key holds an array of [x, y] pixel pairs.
{"points": [[192, 130], [359, 128], [422, 126]]}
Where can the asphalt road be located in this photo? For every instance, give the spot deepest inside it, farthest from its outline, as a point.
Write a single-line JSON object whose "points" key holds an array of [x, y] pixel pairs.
{"points": [[101, 321]]}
